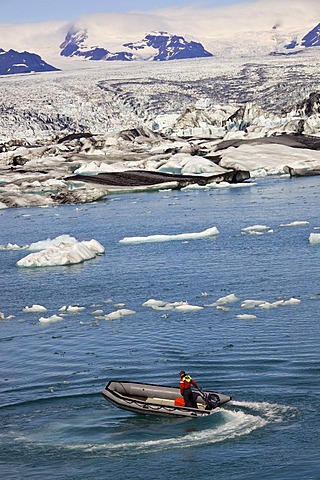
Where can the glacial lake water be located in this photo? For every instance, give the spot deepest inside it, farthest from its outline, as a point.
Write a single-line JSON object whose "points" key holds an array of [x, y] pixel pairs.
{"points": [[54, 422]]}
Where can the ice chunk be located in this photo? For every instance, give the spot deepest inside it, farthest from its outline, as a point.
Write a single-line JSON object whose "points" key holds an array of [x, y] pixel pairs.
{"points": [[294, 224], [63, 253], [246, 317], [292, 301], [227, 299], [314, 238], [257, 230], [167, 238], [155, 304], [35, 308], [118, 314], [11, 246], [180, 306], [74, 309], [252, 303], [188, 308], [267, 305], [43, 244], [53, 318]]}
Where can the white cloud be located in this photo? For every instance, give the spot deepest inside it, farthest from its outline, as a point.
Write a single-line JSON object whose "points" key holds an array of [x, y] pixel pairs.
{"points": [[210, 25]]}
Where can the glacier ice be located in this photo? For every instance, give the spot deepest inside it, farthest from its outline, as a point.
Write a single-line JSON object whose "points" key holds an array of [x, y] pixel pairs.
{"points": [[62, 253], [209, 232]]}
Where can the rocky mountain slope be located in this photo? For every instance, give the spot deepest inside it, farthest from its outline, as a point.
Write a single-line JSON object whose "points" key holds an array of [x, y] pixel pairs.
{"points": [[156, 46], [12, 62]]}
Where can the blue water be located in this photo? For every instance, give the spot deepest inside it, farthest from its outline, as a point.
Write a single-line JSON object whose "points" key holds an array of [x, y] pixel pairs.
{"points": [[54, 422]]}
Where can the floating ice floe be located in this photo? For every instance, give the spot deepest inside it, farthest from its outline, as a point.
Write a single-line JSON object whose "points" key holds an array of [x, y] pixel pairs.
{"points": [[71, 309], [181, 306], [267, 305], [224, 300], [61, 253], [11, 246], [257, 230], [34, 309], [3, 317], [216, 186], [294, 224], [118, 314], [252, 303], [314, 238], [168, 238], [246, 317], [52, 319]]}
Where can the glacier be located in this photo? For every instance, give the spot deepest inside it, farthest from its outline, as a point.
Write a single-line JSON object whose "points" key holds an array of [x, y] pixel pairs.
{"points": [[224, 120]]}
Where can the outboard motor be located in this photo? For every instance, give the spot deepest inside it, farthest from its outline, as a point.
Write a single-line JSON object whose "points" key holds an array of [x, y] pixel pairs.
{"points": [[213, 401]]}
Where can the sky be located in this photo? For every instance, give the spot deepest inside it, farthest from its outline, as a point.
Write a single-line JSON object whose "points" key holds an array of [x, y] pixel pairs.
{"points": [[26, 11]]}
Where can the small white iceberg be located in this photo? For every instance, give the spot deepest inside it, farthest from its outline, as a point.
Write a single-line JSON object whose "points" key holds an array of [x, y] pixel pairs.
{"points": [[295, 224], [62, 253], [3, 317], [256, 230], [118, 314], [71, 309], [224, 300], [209, 232], [246, 317], [180, 306], [11, 246], [52, 319], [314, 238], [252, 303], [34, 309]]}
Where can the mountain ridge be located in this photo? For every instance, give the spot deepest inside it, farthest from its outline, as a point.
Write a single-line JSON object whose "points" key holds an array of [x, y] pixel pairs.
{"points": [[155, 46], [13, 62]]}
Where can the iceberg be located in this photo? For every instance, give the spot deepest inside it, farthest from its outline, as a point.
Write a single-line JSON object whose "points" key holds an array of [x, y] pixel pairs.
{"points": [[61, 253], [246, 317], [294, 224], [209, 232], [34, 309], [53, 318], [118, 314], [314, 238], [43, 244], [71, 309], [257, 230], [180, 306]]}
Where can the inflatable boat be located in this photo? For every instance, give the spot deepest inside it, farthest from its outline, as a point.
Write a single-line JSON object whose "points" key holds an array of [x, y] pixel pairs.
{"points": [[161, 400]]}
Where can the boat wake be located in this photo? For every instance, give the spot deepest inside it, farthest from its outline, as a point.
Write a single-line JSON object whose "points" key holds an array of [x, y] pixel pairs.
{"points": [[239, 419], [242, 419]]}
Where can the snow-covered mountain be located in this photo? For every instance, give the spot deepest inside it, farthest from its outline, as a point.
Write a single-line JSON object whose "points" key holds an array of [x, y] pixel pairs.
{"points": [[249, 29], [157, 46], [164, 46], [12, 62], [311, 39]]}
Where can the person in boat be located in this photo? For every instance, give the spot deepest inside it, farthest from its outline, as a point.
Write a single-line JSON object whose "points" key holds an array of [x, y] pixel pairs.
{"points": [[186, 391]]}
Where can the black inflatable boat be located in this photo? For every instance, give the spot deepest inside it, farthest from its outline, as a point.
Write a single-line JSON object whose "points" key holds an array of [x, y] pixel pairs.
{"points": [[161, 400]]}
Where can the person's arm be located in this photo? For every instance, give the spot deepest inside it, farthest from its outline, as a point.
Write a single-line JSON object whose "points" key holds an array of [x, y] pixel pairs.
{"points": [[194, 383]]}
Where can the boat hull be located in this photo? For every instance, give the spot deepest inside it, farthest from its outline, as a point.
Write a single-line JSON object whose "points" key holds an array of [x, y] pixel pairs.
{"points": [[158, 399]]}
